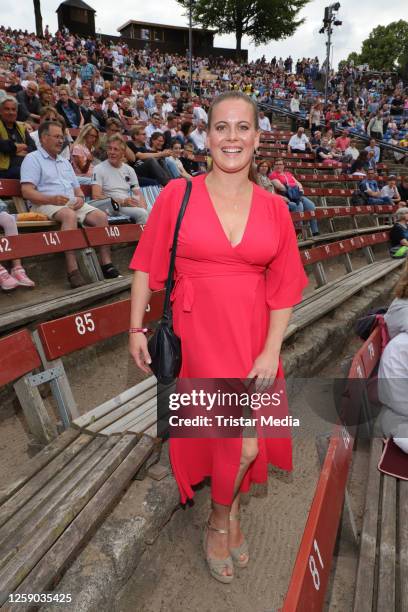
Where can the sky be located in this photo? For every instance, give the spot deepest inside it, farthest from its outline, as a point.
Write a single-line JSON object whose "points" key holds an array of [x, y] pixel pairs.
{"points": [[359, 17]]}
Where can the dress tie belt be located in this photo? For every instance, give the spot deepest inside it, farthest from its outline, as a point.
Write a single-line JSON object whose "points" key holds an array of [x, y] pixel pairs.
{"points": [[184, 283]]}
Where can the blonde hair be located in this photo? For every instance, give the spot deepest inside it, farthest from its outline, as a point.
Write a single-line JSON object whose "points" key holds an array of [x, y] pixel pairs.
{"points": [[84, 131]]}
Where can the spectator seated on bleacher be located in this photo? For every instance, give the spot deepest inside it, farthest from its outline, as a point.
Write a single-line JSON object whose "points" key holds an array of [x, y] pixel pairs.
{"points": [[291, 190], [187, 159], [98, 115], [327, 155], [199, 113], [155, 125], [399, 234], [156, 145], [397, 105], [299, 142], [374, 149], [351, 153], [49, 113], [264, 123], [17, 275], [82, 153], [316, 140], [113, 127], [199, 137], [86, 107], [49, 183], [15, 140], [147, 165], [343, 141], [176, 168], [403, 190], [116, 180], [391, 190], [170, 130], [371, 191], [69, 109], [263, 169], [29, 105], [141, 113]]}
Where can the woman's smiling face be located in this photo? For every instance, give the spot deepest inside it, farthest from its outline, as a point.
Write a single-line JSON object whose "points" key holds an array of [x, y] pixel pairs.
{"points": [[232, 137]]}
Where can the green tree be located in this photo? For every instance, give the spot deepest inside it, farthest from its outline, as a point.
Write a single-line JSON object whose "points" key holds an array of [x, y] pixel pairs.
{"points": [[261, 20], [38, 18], [386, 48]]}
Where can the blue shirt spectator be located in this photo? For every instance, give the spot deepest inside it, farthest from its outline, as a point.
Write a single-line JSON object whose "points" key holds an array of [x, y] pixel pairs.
{"points": [[369, 187], [87, 70], [50, 175]]}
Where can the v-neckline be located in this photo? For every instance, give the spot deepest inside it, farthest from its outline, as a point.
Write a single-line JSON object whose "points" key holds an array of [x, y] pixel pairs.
{"points": [[233, 246]]}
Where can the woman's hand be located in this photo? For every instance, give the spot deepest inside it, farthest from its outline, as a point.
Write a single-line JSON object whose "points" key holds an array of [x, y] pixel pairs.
{"points": [[139, 352], [264, 369]]}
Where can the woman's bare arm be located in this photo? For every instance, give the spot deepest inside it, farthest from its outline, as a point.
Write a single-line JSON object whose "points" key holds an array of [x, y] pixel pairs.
{"points": [[140, 297], [266, 364]]}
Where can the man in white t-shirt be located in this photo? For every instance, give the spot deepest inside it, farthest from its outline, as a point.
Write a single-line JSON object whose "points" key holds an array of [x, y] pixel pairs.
{"points": [[299, 142], [199, 114], [199, 137], [155, 125], [264, 123], [115, 179]]}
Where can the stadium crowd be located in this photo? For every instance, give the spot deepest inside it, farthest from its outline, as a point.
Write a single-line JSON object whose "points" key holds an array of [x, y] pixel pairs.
{"points": [[76, 110]]}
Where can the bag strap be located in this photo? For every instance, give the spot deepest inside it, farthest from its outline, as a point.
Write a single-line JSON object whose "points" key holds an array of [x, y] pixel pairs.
{"points": [[169, 282]]}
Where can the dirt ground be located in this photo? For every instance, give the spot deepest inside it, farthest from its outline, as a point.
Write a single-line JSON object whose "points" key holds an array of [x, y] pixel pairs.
{"points": [[273, 524]]}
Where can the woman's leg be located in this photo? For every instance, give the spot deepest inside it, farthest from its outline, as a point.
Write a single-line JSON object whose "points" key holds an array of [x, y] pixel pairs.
{"points": [[308, 205], [171, 167], [218, 544], [9, 225], [139, 215]]}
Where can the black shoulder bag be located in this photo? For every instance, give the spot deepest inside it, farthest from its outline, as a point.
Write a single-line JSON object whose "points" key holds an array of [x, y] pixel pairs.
{"points": [[164, 346]]}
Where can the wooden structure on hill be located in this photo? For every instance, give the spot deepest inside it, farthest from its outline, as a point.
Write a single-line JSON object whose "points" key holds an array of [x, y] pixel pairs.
{"points": [[173, 39], [77, 16]]}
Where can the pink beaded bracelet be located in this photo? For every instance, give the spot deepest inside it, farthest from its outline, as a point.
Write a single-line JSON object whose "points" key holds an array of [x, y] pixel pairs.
{"points": [[139, 330]]}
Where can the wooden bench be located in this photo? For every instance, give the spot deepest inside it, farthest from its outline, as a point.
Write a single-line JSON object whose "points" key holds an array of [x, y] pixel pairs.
{"points": [[18, 359], [329, 295], [311, 572], [331, 213], [10, 188], [49, 513], [134, 409], [340, 178], [266, 151], [382, 574]]}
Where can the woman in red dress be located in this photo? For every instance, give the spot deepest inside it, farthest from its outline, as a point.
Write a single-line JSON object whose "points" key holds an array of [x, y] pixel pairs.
{"points": [[238, 274]]}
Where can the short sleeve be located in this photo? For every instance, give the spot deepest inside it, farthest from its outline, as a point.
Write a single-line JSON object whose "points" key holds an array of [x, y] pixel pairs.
{"points": [[30, 170], [97, 177], [152, 254], [133, 179], [73, 178], [285, 276]]}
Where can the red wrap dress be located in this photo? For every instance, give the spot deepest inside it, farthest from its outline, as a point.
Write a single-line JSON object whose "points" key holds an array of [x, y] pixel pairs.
{"points": [[221, 303]]}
